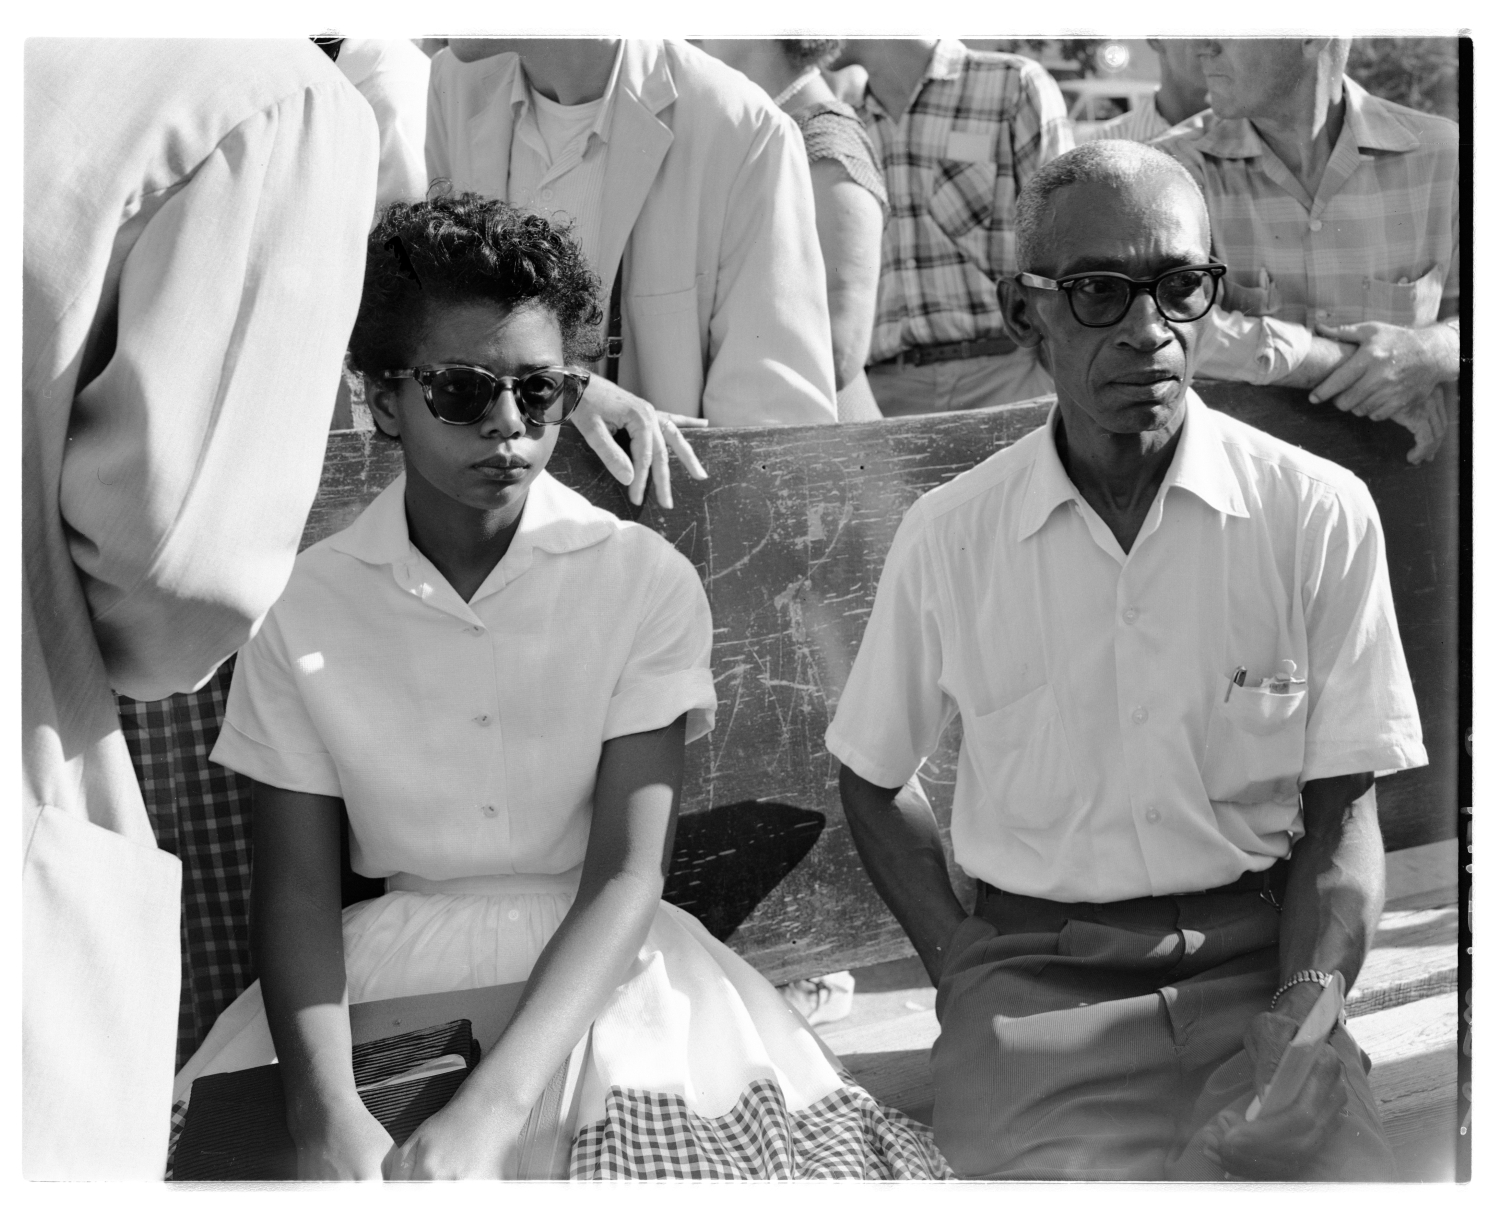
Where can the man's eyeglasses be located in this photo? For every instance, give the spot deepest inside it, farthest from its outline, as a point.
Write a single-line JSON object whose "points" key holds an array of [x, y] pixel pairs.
{"points": [[465, 395], [1101, 299]]}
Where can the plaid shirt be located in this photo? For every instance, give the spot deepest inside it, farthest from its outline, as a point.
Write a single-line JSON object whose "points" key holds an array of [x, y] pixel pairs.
{"points": [[979, 126], [1378, 242]]}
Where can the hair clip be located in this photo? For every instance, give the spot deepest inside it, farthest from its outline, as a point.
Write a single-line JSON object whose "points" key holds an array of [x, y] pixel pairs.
{"points": [[397, 248]]}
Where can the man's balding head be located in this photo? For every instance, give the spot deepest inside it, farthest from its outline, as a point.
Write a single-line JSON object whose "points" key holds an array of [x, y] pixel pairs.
{"points": [[1112, 208], [1136, 175]]}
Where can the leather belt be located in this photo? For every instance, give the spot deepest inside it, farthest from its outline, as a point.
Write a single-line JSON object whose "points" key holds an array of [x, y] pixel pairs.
{"points": [[923, 355], [1270, 883]]}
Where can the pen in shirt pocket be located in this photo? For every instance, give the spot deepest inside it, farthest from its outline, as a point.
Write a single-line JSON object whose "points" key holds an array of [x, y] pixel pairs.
{"points": [[1237, 678]]}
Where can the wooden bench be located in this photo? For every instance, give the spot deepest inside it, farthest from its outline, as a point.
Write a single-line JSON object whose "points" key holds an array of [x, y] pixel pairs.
{"points": [[789, 534]]}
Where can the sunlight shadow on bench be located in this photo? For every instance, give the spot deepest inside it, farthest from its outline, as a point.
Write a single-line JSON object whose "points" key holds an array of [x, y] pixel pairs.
{"points": [[728, 859]]}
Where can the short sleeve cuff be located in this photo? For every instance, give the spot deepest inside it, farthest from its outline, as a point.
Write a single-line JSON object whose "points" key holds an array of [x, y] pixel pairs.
{"points": [[1394, 754], [313, 773], [884, 772], [647, 706], [1251, 349]]}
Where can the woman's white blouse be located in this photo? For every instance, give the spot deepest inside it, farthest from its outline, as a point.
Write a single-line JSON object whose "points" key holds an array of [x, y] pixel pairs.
{"points": [[464, 737]]}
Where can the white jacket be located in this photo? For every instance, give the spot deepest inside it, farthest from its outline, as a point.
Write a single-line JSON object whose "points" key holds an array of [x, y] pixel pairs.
{"points": [[709, 199], [195, 222]]}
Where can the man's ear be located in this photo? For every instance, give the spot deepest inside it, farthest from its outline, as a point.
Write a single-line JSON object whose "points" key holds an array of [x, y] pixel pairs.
{"points": [[380, 398], [1015, 311]]}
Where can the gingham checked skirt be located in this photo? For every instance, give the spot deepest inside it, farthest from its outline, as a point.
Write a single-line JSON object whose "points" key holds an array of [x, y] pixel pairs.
{"points": [[696, 1068]]}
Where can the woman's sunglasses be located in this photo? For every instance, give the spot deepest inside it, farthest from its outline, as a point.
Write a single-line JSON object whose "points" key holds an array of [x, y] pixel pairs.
{"points": [[465, 395]]}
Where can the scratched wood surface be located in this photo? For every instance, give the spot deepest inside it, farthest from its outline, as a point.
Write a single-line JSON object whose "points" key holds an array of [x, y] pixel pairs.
{"points": [[789, 534]]}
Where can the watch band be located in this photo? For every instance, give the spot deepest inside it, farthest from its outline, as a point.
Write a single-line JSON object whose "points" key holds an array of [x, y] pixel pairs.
{"points": [[1305, 976]]}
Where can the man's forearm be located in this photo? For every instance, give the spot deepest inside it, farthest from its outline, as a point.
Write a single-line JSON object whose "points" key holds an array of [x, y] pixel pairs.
{"points": [[1321, 360], [898, 841], [1335, 886]]}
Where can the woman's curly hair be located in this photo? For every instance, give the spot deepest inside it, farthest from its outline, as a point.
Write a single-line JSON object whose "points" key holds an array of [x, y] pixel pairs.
{"points": [[802, 53], [466, 248]]}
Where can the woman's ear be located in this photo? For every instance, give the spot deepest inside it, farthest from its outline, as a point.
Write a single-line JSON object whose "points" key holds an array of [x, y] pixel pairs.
{"points": [[1015, 311], [380, 398]]}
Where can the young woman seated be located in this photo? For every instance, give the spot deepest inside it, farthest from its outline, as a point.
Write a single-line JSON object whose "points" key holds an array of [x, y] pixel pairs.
{"points": [[495, 680]]}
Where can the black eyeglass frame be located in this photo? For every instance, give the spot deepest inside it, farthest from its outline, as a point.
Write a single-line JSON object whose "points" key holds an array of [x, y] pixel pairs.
{"points": [[423, 376], [1214, 269]]}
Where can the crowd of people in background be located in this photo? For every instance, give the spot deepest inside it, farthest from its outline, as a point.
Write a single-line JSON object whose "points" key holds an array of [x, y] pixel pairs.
{"points": [[781, 232]]}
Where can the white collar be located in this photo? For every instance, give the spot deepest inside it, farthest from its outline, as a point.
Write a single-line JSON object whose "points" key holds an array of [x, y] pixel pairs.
{"points": [[1199, 465], [555, 519]]}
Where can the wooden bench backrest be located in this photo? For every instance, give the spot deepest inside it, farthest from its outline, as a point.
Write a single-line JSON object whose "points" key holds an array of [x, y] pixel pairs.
{"points": [[789, 535]]}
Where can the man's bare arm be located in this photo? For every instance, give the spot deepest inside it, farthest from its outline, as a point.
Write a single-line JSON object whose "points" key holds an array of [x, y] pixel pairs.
{"points": [[1335, 887], [898, 841], [1322, 359], [1334, 895]]}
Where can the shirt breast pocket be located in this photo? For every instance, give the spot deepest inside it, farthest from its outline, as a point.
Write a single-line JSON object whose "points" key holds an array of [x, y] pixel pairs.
{"points": [[1255, 746], [1022, 756], [1253, 294], [1410, 304], [963, 200]]}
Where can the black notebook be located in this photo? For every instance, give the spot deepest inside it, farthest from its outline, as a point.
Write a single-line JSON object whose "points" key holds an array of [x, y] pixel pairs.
{"points": [[236, 1122]]}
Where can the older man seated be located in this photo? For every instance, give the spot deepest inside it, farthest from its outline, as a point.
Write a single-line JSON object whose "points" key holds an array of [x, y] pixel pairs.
{"points": [[1170, 640], [1338, 215]]}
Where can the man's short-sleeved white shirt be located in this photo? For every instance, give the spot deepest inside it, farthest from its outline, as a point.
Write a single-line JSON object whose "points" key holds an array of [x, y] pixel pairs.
{"points": [[1100, 759], [464, 737]]}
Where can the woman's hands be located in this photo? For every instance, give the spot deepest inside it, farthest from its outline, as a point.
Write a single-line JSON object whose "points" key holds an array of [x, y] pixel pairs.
{"points": [[606, 408], [463, 1140], [345, 1142]]}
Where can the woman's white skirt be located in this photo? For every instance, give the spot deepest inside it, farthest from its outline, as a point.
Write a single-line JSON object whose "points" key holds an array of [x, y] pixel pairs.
{"points": [[696, 1067]]}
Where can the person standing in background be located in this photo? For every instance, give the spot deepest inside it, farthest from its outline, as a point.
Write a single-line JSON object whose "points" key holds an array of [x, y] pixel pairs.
{"points": [[684, 183], [391, 74], [194, 242], [848, 193], [1183, 93], [1337, 213], [958, 132]]}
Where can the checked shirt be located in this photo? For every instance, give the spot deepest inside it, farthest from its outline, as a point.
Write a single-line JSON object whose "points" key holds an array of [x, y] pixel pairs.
{"points": [[980, 125], [1379, 241]]}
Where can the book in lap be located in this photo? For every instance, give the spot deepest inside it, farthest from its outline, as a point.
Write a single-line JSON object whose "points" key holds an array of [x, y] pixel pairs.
{"points": [[236, 1130]]}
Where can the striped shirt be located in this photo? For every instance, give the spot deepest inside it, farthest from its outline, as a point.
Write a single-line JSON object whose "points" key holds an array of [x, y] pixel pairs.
{"points": [[1378, 242], [980, 125], [1138, 125]]}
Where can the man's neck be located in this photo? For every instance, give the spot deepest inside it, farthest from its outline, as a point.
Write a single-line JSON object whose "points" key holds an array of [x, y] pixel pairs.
{"points": [[570, 71], [896, 67], [1303, 132], [1177, 102], [1117, 474]]}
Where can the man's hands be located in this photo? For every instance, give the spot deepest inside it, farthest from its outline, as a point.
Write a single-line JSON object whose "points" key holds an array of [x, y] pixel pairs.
{"points": [[1395, 374], [1428, 421], [1281, 1144], [607, 407]]}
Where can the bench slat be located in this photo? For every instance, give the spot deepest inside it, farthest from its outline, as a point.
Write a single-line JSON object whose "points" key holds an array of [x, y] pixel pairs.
{"points": [[1414, 1051]]}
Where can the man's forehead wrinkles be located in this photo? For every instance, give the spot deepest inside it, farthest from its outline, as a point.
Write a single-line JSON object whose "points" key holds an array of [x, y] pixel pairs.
{"points": [[1135, 265]]}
